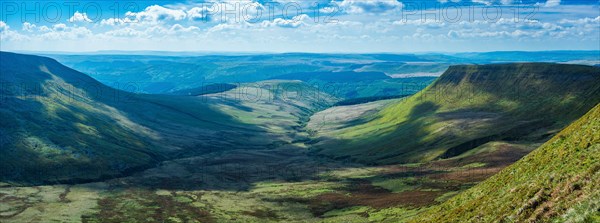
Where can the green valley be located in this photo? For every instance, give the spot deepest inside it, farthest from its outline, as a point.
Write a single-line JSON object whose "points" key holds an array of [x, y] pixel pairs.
{"points": [[56, 117], [322, 111], [481, 143]]}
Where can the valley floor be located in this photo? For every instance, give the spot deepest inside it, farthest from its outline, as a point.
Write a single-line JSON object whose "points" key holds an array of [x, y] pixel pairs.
{"points": [[284, 184]]}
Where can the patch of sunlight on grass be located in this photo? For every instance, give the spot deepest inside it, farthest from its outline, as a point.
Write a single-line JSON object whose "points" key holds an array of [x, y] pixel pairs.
{"points": [[397, 185], [347, 211]]}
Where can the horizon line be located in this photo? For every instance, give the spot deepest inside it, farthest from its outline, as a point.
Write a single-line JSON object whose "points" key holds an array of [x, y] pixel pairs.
{"points": [[150, 52]]}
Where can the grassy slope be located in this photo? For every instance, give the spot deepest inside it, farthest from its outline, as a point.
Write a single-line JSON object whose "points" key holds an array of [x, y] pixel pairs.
{"points": [[560, 177], [280, 108], [51, 131], [468, 106], [59, 125]]}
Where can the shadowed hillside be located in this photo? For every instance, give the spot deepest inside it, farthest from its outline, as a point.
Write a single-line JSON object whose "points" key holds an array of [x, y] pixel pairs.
{"points": [[468, 109], [59, 125], [53, 125], [559, 181]]}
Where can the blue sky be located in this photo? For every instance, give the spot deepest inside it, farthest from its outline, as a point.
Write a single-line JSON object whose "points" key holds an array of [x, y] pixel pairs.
{"points": [[301, 26]]}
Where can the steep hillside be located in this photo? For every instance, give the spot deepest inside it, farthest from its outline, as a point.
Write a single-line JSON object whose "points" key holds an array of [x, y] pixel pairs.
{"points": [[466, 110], [59, 125], [53, 130], [560, 181]]}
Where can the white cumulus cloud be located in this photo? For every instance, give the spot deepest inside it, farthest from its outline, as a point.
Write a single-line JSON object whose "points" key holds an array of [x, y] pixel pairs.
{"points": [[156, 13], [550, 3], [116, 21], [28, 27], [200, 13], [3, 26], [294, 22], [59, 27], [369, 6], [79, 17]]}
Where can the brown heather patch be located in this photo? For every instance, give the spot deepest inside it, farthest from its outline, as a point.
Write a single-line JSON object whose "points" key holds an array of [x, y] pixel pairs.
{"points": [[63, 196], [140, 205], [467, 176], [19, 205], [362, 193]]}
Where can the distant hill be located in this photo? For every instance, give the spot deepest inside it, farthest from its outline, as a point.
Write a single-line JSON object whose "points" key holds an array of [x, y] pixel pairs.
{"points": [[337, 74], [559, 182], [355, 101], [468, 107], [61, 126], [532, 56], [343, 77], [206, 89]]}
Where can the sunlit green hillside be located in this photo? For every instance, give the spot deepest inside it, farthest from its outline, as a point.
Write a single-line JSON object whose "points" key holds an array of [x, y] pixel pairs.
{"points": [[467, 108], [559, 182]]}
